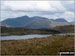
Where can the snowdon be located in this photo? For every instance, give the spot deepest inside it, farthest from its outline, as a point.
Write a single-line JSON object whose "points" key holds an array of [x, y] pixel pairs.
{"points": [[35, 22]]}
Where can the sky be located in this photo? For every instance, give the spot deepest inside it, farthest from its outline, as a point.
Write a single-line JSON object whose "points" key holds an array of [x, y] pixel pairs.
{"points": [[50, 9]]}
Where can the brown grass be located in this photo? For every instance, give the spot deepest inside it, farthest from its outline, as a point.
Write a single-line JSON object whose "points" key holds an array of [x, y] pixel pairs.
{"points": [[38, 46]]}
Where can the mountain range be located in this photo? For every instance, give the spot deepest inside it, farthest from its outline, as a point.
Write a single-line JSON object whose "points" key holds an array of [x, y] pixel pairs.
{"points": [[35, 22], [59, 20], [73, 22]]}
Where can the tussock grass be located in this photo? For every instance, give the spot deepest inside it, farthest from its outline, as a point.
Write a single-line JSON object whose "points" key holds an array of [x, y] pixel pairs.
{"points": [[38, 46]]}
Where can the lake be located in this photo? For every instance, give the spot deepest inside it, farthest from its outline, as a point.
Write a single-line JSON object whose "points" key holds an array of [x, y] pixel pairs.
{"points": [[30, 36], [23, 36]]}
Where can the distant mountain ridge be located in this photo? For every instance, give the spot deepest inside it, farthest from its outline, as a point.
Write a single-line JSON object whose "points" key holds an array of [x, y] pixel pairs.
{"points": [[59, 20], [73, 22], [35, 22]]}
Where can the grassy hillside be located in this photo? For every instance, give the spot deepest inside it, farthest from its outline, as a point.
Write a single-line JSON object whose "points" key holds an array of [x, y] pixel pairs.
{"points": [[38, 46], [65, 29], [23, 31]]}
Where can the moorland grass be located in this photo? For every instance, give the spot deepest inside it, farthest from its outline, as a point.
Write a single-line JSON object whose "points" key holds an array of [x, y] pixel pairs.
{"points": [[38, 46]]}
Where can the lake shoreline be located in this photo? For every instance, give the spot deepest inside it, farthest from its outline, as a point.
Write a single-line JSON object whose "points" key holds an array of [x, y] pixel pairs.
{"points": [[50, 45], [7, 31], [20, 34], [17, 37]]}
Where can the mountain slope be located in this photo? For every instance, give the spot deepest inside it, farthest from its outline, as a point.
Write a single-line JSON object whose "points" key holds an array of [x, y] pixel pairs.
{"points": [[16, 22], [59, 20], [65, 29], [32, 22], [73, 22]]}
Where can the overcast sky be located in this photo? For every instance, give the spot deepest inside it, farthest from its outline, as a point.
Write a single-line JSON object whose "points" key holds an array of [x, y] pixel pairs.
{"points": [[49, 9]]}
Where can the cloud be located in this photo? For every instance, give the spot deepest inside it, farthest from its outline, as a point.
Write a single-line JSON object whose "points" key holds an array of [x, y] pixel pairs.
{"points": [[69, 16], [49, 9], [35, 5], [69, 5]]}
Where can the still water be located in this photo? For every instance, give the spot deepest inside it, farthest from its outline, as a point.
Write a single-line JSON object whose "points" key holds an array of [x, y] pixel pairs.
{"points": [[30, 36], [23, 37]]}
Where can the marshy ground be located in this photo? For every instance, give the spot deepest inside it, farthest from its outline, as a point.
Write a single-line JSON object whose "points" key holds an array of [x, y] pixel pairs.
{"points": [[38, 46]]}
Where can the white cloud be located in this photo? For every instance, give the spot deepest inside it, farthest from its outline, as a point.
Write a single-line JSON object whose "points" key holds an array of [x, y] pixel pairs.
{"points": [[69, 5], [45, 6], [69, 16], [21, 5], [57, 5], [50, 9], [34, 5], [10, 14]]}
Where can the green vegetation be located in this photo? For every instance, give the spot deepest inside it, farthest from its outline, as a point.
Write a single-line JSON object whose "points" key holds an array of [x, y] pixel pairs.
{"points": [[65, 29], [23, 31], [38, 46]]}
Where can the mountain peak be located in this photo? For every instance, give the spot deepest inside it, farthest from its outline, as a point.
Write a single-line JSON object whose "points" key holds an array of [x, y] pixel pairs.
{"points": [[60, 20], [24, 16], [38, 17], [35, 22]]}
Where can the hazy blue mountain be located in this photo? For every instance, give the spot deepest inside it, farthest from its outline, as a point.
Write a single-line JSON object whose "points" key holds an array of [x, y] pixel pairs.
{"points": [[59, 20], [73, 22], [16, 22], [35, 22]]}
